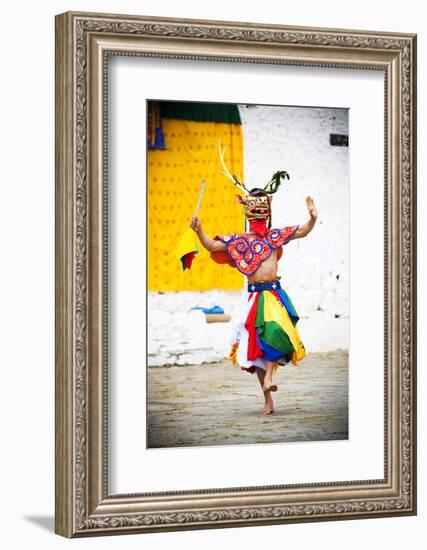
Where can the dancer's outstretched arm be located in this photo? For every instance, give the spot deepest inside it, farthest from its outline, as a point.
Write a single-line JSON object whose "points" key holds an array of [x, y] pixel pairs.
{"points": [[304, 229], [206, 241]]}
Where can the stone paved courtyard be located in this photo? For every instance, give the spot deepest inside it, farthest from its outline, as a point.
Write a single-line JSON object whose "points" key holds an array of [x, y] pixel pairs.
{"points": [[218, 404]]}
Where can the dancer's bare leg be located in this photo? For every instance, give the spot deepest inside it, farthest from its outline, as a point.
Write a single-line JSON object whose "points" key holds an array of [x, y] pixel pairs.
{"points": [[268, 378], [269, 405]]}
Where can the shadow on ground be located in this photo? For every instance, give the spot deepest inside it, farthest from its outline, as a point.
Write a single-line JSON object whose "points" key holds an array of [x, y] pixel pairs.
{"points": [[44, 522]]}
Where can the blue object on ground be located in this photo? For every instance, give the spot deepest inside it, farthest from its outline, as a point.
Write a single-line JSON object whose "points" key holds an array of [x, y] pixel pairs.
{"points": [[213, 309]]}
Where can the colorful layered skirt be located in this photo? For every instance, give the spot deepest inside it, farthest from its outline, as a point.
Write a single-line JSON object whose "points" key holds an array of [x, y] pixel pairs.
{"points": [[266, 329]]}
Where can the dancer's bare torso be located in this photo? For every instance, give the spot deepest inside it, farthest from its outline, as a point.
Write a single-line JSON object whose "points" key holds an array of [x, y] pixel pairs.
{"points": [[267, 271]]}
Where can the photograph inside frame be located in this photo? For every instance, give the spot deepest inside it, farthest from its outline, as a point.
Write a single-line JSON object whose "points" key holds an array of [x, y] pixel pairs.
{"points": [[248, 274]]}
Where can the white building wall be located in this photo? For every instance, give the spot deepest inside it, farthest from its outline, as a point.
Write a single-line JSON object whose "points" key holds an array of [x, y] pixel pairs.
{"points": [[314, 271]]}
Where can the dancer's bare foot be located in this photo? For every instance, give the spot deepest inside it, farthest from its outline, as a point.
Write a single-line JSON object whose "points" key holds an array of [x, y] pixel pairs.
{"points": [[273, 387], [268, 409], [268, 384]]}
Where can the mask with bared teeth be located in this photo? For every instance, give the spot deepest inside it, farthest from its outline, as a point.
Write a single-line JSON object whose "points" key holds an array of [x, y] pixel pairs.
{"points": [[256, 201]]}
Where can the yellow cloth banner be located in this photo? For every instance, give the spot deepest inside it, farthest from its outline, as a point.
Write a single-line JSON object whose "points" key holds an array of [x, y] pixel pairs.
{"points": [[187, 243], [174, 178]]}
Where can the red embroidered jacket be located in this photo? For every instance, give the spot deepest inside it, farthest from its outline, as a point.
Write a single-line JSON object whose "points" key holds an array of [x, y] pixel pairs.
{"points": [[246, 251]]}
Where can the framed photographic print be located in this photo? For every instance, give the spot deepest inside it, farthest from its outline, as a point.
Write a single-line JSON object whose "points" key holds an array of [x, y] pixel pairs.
{"points": [[235, 274]]}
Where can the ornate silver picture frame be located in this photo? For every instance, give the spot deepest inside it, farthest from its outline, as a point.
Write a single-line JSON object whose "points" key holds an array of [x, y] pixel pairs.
{"points": [[84, 43]]}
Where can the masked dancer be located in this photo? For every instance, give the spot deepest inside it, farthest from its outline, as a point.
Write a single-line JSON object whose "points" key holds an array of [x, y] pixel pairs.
{"points": [[265, 334]]}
